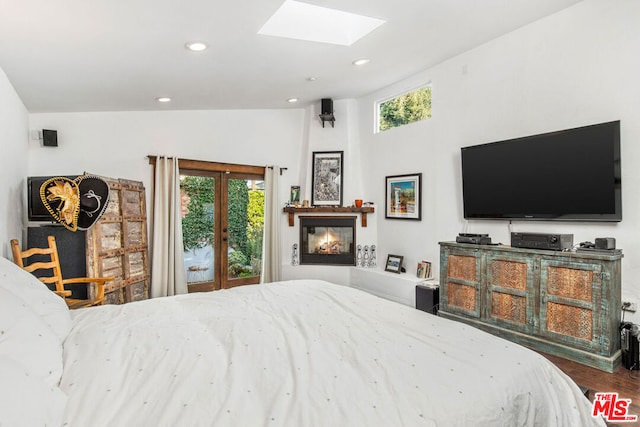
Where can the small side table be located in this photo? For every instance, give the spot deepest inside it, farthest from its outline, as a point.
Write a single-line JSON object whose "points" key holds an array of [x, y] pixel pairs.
{"points": [[427, 298]]}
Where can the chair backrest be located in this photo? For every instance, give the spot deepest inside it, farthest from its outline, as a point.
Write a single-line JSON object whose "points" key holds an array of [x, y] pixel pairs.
{"points": [[50, 270]]}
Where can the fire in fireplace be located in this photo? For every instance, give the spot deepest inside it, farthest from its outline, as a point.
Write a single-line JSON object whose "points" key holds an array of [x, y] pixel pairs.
{"points": [[327, 240]]}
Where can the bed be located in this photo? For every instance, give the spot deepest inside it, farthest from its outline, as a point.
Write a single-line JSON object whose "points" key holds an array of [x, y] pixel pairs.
{"points": [[295, 353]]}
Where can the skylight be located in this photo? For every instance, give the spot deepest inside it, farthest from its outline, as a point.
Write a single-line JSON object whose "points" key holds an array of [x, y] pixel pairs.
{"points": [[302, 21]]}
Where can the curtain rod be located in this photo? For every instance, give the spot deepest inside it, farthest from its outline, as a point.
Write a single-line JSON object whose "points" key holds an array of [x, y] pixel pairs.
{"points": [[152, 159], [281, 169]]}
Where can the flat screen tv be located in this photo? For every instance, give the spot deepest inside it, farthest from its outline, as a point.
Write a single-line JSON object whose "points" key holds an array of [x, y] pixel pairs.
{"points": [[569, 175], [35, 208]]}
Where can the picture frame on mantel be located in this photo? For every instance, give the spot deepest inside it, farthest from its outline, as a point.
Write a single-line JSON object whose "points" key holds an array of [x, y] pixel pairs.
{"points": [[403, 197], [327, 178]]}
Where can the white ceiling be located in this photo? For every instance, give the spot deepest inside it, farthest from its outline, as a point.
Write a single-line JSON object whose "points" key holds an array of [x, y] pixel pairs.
{"points": [[120, 55]]}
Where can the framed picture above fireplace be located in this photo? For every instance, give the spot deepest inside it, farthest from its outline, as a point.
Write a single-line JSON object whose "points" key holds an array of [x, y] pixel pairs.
{"points": [[326, 186], [403, 197]]}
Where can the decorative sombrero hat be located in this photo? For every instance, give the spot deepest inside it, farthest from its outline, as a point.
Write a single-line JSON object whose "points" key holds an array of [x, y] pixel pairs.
{"points": [[76, 204]]}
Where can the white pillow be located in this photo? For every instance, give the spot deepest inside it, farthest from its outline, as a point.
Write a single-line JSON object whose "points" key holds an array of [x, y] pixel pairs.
{"points": [[25, 338], [39, 298], [26, 400]]}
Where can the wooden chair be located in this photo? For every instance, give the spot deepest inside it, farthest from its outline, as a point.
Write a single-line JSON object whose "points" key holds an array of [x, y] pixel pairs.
{"points": [[95, 293]]}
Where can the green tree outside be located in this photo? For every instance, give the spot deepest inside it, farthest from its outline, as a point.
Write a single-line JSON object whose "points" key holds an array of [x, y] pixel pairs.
{"points": [[255, 229], [408, 108], [238, 214], [246, 222], [197, 225]]}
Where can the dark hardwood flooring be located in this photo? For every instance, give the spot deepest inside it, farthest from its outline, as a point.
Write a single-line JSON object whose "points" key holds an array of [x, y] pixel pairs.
{"points": [[623, 381]]}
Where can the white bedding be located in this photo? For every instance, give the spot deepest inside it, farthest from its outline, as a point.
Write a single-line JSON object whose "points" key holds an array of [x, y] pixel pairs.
{"points": [[302, 353]]}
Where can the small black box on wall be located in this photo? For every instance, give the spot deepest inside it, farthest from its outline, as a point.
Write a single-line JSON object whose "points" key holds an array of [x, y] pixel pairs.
{"points": [[427, 298], [49, 138], [327, 106]]}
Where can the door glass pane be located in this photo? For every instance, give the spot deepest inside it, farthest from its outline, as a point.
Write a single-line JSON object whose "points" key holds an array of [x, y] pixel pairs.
{"points": [[246, 224], [197, 197]]}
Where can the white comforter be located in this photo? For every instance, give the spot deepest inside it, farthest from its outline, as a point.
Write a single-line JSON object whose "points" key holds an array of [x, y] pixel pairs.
{"points": [[302, 353]]}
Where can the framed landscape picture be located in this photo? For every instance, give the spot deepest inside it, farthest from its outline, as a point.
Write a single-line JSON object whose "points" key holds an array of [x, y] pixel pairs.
{"points": [[394, 263], [403, 197], [326, 186]]}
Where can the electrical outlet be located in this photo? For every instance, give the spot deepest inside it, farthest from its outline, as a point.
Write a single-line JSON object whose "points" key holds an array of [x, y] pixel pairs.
{"points": [[629, 306]]}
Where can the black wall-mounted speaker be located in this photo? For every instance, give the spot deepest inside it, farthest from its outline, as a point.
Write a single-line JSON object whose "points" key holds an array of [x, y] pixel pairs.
{"points": [[49, 138], [327, 106]]}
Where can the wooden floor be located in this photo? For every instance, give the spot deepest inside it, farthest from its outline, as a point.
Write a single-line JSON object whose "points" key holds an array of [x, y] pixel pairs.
{"points": [[623, 381]]}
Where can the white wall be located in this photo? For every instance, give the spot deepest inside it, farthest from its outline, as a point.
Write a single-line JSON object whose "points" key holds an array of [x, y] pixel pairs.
{"points": [[577, 67], [13, 164], [116, 144]]}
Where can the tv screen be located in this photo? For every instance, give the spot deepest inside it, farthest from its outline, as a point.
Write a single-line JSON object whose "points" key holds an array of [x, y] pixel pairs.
{"points": [[35, 208], [569, 175]]}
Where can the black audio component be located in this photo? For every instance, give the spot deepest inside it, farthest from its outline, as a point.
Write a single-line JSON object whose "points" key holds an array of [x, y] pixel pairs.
{"points": [[548, 241], [476, 239], [326, 106], [629, 345], [427, 298], [594, 250], [49, 138], [605, 243]]}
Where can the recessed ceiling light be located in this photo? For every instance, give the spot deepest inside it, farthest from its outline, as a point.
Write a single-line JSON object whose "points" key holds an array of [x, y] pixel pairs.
{"points": [[312, 79], [163, 99], [196, 46], [359, 62], [292, 100]]}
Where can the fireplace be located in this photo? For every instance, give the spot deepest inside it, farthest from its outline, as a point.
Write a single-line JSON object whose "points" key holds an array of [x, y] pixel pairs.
{"points": [[327, 240]]}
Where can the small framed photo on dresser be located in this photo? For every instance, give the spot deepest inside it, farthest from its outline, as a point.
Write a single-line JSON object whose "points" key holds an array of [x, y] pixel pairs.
{"points": [[394, 263]]}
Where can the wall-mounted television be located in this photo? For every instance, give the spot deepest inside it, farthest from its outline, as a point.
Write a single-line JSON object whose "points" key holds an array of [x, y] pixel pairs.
{"points": [[35, 208], [568, 175]]}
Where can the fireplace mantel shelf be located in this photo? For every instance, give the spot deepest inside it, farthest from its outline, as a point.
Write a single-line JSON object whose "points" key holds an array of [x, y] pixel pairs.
{"points": [[291, 210]]}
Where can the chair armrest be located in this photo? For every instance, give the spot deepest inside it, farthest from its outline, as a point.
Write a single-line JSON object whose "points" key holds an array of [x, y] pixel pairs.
{"points": [[63, 294], [99, 281]]}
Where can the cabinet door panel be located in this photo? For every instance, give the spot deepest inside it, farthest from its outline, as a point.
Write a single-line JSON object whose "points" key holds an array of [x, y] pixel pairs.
{"points": [[461, 284], [462, 296], [569, 312], [510, 292]]}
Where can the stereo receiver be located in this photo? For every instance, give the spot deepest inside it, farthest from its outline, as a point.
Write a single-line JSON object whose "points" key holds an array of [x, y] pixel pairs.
{"points": [[548, 241]]}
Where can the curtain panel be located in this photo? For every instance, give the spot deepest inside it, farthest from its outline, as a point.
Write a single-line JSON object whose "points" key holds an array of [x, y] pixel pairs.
{"points": [[168, 276]]}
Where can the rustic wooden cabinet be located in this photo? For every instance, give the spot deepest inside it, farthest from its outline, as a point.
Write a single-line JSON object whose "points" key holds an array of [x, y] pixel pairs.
{"points": [[117, 245], [564, 303]]}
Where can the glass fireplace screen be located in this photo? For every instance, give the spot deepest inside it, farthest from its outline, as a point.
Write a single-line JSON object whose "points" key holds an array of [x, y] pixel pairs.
{"points": [[327, 240]]}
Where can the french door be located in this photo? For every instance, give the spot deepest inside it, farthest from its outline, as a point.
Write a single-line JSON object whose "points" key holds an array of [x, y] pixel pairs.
{"points": [[222, 224]]}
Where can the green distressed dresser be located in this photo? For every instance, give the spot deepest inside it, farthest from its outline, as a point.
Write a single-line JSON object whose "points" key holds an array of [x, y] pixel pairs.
{"points": [[563, 303]]}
